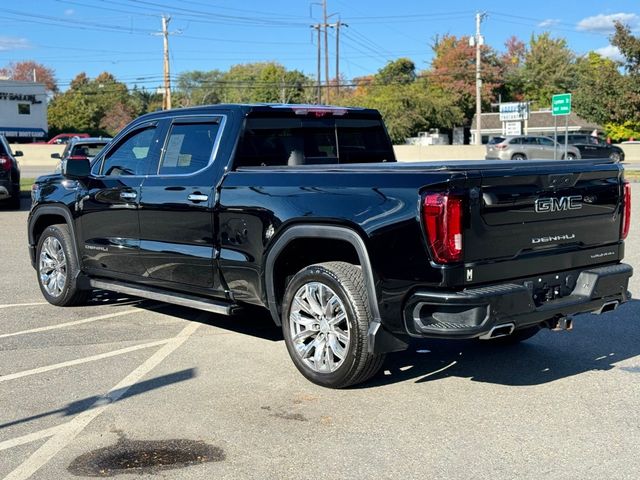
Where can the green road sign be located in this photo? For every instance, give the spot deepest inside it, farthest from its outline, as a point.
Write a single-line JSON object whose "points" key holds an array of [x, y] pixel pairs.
{"points": [[561, 104]]}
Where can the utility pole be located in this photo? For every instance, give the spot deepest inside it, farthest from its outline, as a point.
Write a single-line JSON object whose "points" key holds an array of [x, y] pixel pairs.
{"points": [[326, 47], [318, 27], [166, 98], [338, 24], [478, 41]]}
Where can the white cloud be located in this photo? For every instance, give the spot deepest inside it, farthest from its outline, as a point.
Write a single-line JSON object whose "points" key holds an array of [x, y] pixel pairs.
{"points": [[549, 22], [13, 43], [610, 52], [604, 23], [69, 11]]}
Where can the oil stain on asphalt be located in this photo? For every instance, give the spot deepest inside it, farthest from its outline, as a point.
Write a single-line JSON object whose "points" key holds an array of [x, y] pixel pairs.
{"points": [[136, 456]]}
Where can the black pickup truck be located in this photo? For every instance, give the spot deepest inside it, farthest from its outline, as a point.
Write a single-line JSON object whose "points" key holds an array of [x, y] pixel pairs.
{"points": [[304, 211]]}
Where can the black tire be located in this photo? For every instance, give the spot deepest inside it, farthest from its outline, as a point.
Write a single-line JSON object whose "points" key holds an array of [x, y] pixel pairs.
{"points": [[570, 156], [70, 294], [516, 337], [348, 284], [518, 156], [14, 201]]}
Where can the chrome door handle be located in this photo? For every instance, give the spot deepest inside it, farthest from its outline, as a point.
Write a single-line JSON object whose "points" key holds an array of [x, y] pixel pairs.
{"points": [[197, 197], [128, 195]]}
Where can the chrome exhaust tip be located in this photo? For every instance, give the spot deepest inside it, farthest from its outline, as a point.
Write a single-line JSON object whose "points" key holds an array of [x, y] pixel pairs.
{"points": [[502, 330]]}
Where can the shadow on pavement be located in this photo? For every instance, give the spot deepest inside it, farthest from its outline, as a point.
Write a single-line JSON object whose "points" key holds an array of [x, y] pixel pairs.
{"points": [[88, 403], [597, 342]]}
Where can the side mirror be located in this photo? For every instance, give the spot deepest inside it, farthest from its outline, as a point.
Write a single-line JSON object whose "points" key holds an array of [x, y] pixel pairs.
{"points": [[55, 155], [76, 169], [18, 153]]}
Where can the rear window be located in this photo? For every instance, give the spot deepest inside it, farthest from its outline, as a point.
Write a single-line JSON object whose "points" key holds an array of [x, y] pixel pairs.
{"points": [[496, 140], [311, 141]]}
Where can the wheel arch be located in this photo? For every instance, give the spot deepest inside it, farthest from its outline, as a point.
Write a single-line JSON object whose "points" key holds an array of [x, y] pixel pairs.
{"points": [[45, 216], [332, 233]]}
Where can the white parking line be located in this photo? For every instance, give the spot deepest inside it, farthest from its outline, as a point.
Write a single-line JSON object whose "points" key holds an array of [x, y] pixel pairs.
{"points": [[29, 437], [12, 305], [68, 324], [68, 431], [80, 361]]}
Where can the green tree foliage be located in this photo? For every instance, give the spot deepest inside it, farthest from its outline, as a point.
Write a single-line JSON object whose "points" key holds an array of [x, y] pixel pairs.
{"points": [[453, 70], [267, 82], [548, 69], [597, 94], [408, 102], [101, 106]]}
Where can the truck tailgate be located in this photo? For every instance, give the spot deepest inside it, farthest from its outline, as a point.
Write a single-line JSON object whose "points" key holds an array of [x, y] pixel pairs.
{"points": [[527, 210]]}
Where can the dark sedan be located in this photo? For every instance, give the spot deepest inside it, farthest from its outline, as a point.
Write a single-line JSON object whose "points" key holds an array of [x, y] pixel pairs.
{"points": [[9, 175]]}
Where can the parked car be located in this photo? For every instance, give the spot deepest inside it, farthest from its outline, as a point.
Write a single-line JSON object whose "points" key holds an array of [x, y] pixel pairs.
{"points": [[81, 149], [9, 175], [62, 138], [524, 147], [304, 212], [593, 147]]}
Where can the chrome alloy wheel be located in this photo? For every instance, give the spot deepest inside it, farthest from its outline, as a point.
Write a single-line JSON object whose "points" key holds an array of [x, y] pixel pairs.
{"points": [[319, 327], [53, 267]]}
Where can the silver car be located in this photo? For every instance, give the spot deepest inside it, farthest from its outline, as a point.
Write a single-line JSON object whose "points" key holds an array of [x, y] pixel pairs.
{"points": [[525, 147]]}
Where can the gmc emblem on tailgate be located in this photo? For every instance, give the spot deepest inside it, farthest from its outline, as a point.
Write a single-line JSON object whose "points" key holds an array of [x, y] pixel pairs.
{"points": [[544, 205]]}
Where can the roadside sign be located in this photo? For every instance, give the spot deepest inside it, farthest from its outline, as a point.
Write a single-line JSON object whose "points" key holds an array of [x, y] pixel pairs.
{"points": [[513, 128], [514, 111], [561, 104]]}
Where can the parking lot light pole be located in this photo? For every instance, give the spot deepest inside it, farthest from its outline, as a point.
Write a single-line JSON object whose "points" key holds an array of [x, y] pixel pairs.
{"points": [[478, 43]]}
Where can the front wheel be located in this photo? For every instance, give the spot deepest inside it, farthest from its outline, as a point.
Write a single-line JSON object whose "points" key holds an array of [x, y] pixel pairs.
{"points": [[519, 156], [570, 156], [325, 321], [58, 267]]}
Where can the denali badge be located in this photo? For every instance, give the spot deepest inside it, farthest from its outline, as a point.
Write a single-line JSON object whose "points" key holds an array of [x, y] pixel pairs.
{"points": [[553, 238], [544, 205]]}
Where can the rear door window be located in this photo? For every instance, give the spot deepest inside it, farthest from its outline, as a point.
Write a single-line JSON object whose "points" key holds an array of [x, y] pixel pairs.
{"points": [[189, 147]]}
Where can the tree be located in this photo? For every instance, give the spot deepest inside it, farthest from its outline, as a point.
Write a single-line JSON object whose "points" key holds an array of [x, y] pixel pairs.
{"points": [[512, 61], [453, 70], [597, 96], [402, 71], [28, 70], [548, 69], [629, 46], [101, 106]]}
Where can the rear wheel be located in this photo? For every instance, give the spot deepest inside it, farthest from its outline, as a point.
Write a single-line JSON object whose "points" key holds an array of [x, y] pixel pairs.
{"points": [[570, 156], [516, 337], [325, 322], [58, 267], [615, 156], [518, 156], [14, 201]]}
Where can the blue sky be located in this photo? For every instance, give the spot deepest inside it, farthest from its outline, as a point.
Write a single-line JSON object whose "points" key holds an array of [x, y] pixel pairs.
{"points": [[117, 35]]}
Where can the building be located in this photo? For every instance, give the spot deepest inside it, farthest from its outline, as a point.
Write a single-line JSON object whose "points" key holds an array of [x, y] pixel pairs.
{"points": [[23, 110], [539, 123]]}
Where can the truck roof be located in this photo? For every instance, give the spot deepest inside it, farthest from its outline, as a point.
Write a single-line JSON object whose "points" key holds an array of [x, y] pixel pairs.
{"points": [[265, 108]]}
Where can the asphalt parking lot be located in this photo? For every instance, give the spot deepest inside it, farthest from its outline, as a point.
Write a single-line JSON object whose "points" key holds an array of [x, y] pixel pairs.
{"points": [[123, 382]]}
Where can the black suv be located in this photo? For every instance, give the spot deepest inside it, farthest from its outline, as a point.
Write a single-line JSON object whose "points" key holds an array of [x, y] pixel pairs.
{"points": [[593, 147], [9, 175]]}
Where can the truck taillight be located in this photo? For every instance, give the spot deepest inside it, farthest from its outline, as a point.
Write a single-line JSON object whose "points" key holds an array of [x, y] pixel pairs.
{"points": [[5, 163], [626, 210], [442, 218]]}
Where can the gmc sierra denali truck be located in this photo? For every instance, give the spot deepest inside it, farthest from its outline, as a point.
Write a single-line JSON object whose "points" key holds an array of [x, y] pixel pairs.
{"points": [[304, 211]]}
